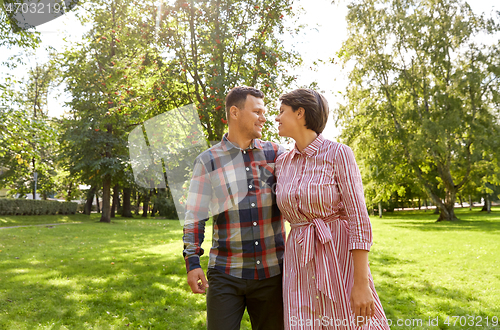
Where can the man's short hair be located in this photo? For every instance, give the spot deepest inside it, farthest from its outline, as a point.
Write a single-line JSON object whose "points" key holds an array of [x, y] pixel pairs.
{"points": [[238, 96], [314, 104]]}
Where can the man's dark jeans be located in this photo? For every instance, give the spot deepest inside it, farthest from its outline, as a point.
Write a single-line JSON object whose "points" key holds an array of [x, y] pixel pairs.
{"points": [[227, 297]]}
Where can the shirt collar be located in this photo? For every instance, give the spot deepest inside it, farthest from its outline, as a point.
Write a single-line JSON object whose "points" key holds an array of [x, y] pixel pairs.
{"points": [[311, 149], [227, 145]]}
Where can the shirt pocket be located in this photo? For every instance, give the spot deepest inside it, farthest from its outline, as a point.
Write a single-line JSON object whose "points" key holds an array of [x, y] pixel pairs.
{"points": [[266, 175], [228, 187]]}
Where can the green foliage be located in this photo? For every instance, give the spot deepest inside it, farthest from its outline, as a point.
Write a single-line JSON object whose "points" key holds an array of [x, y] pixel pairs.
{"points": [[20, 206], [127, 70], [26, 139], [16, 37], [212, 46], [110, 84], [165, 204], [423, 95]]}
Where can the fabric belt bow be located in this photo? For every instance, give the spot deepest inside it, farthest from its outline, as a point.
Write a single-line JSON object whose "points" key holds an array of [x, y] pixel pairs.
{"points": [[316, 242]]}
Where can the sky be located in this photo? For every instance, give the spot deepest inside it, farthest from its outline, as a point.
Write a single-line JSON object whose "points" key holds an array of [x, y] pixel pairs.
{"points": [[321, 39]]}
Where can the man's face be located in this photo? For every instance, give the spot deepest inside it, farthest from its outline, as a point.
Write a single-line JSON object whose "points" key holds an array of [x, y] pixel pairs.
{"points": [[251, 118]]}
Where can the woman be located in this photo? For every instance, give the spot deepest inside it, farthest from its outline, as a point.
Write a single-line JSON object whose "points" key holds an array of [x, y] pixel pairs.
{"points": [[327, 282]]}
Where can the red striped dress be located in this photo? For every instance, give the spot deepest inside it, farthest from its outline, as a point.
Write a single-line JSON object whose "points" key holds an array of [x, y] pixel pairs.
{"points": [[319, 191]]}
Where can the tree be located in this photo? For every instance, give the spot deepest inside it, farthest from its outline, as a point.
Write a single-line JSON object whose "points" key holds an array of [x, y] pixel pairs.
{"points": [[216, 45], [10, 35], [110, 86], [128, 70], [29, 141], [424, 92]]}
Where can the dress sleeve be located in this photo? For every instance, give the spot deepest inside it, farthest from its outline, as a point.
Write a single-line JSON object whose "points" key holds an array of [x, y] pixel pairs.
{"points": [[350, 185]]}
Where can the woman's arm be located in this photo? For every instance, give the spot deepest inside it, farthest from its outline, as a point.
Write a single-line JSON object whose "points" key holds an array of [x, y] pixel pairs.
{"points": [[360, 233], [362, 302]]}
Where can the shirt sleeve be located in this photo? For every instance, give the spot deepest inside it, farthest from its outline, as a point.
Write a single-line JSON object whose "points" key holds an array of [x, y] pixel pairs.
{"points": [[351, 193], [281, 150], [280, 154], [197, 214]]}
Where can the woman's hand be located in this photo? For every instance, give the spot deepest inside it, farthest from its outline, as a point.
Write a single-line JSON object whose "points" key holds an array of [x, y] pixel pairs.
{"points": [[362, 303]]}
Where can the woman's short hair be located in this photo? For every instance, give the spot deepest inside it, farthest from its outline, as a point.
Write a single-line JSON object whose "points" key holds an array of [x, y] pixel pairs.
{"points": [[314, 104], [238, 96]]}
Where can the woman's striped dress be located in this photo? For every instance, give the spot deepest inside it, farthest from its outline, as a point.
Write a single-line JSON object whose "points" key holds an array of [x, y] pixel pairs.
{"points": [[319, 191]]}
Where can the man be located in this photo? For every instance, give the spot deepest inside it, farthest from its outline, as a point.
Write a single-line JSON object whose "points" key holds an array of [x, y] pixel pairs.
{"points": [[234, 181]]}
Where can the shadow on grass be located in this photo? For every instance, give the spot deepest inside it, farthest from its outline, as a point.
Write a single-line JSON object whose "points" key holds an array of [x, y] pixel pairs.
{"points": [[130, 273], [407, 297]]}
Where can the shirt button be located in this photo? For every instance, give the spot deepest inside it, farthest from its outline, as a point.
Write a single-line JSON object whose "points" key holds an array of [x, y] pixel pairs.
{"points": [[317, 297], [256, 243], [244, 151], [258, 262], [250, 186], [255, 223], [248, 169], [253, 204]]}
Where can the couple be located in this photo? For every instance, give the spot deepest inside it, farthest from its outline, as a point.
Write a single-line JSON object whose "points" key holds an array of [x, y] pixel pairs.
{"points": [[321, 278]]}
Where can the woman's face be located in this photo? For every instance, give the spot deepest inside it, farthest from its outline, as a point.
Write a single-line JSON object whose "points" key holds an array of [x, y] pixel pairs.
{"points": [[287, 121]]}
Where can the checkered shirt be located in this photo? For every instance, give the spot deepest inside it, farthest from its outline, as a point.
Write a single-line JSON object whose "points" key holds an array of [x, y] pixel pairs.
{"points": [[237, 188]]}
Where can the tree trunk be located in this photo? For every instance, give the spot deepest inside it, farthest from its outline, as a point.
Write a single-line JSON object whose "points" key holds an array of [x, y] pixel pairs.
{"points": [[114, 206], [470, 203], [488, 203], [118, 202], [88, 204], [447, 209], [485, 205], [461, 201], [380, 209], [106, 196], [70, 191], [97, 202], [419, 205], [106, 184], [137, 203], [127, 206], [145, 205], [155, 208]]}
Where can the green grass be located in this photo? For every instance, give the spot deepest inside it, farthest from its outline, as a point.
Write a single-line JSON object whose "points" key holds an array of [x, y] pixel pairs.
{"points": [[24, 220], [424, 269], [62, 277]]}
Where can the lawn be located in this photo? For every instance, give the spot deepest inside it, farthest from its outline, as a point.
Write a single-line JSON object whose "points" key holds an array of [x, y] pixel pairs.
{"points": [[423, 269], [130, 274], [24, 220]]}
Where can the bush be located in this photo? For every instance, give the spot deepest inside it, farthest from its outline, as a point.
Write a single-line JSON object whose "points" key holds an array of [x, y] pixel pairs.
{"points": [[20, 206], [165, 205]]}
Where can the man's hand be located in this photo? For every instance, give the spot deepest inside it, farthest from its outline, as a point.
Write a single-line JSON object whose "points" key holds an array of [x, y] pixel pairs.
{"points": [[197, 281]]}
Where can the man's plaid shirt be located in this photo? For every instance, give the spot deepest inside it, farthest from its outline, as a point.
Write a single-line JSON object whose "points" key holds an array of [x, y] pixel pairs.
{"points": [[237, 187]]}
